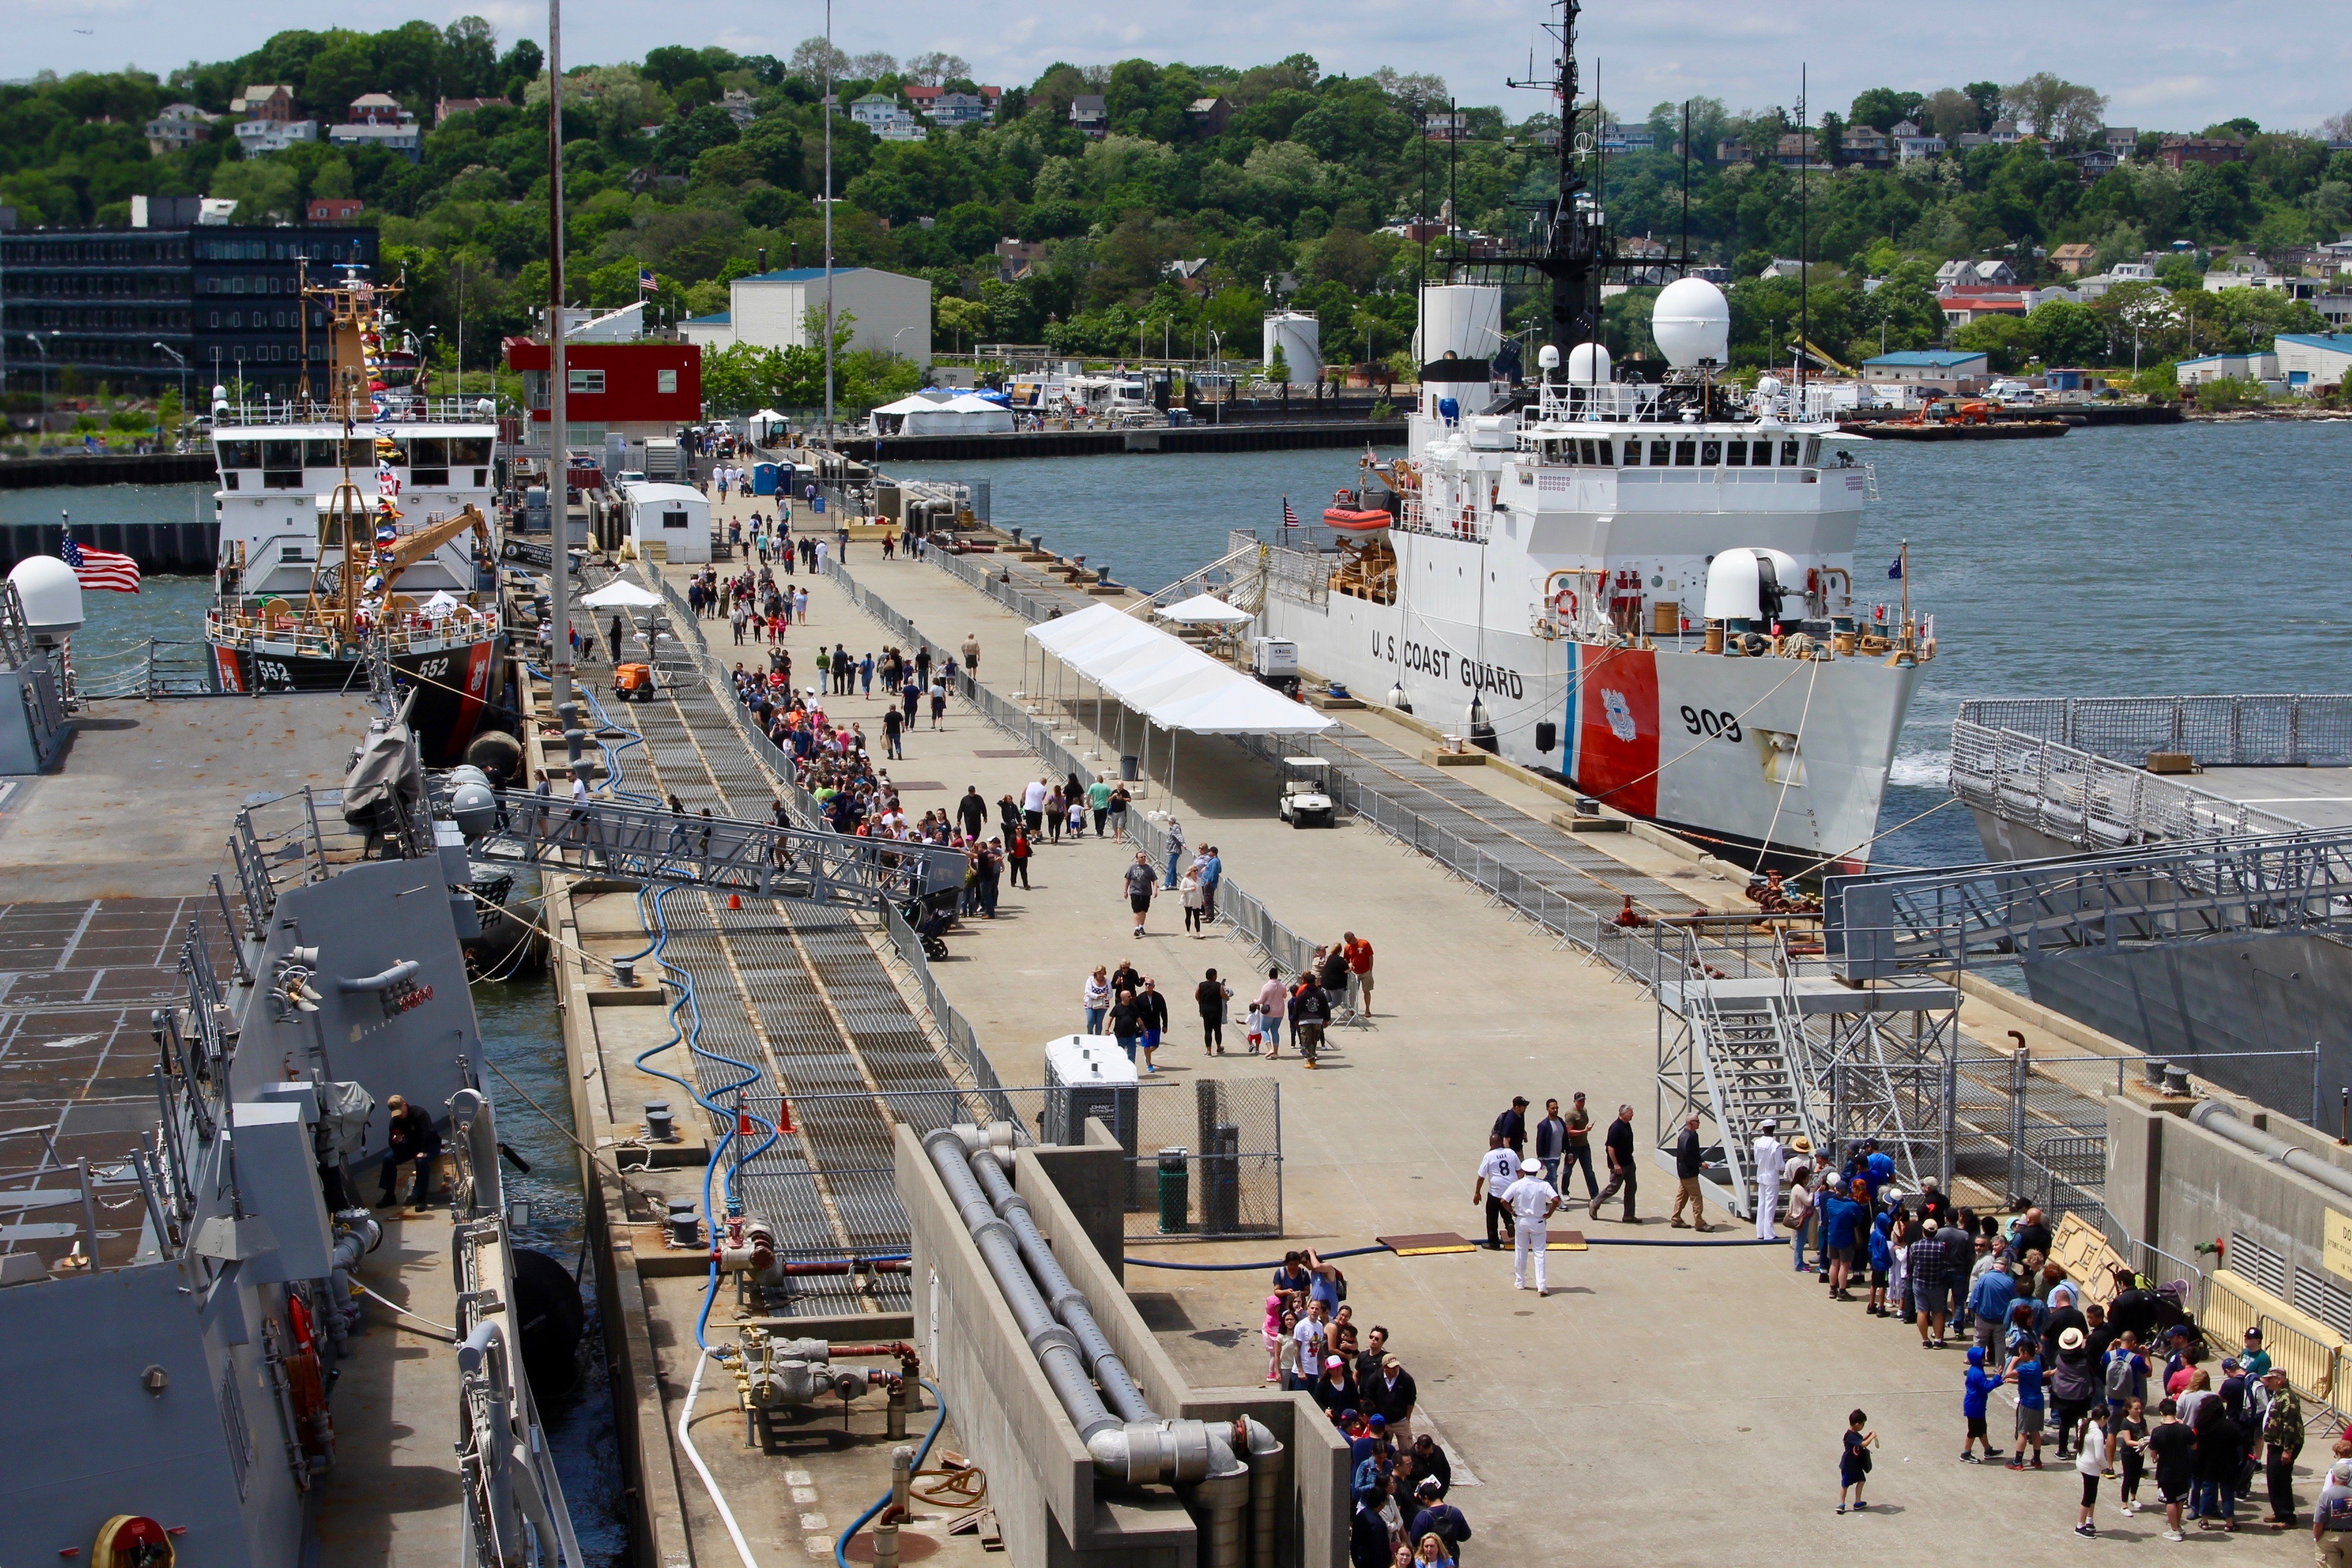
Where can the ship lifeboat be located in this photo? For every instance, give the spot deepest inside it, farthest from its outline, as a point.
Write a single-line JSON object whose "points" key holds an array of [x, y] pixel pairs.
{"points": [[1344, 516]]}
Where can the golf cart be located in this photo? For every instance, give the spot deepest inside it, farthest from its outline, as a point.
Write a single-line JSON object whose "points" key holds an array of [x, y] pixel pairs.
{"points": [[1306, 793]]}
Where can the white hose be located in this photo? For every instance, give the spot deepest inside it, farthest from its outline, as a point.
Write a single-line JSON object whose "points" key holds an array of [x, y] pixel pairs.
{"points": [[726, 1515]]}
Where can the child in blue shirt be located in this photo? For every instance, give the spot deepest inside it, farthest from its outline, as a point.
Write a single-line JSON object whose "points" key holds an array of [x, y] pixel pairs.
{"points": [[2025, 1371], [1976, 1387]]}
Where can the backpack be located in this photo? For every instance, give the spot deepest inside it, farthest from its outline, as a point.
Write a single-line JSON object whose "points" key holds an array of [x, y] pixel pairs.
{"points": [[2121, 1376]]}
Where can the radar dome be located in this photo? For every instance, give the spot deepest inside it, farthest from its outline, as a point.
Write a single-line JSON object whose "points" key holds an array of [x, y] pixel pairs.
{"points": [[1547, 358], [50, 592], [1692, 323], [1587, 364]]}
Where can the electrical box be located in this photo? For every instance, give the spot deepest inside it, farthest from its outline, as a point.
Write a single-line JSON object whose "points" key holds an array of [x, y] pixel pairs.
{"points": [[1088, 1075], [1273, 656], [278, 1179]]}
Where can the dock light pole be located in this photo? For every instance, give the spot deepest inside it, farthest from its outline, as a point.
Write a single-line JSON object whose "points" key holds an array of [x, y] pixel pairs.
{"points": [[827, 107], [179, 360], [43, 350], [559, 434]]}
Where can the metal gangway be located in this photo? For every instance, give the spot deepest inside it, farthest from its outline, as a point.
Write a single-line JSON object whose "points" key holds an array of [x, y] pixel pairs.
{"points": [[1887, 923], [725, 853]]}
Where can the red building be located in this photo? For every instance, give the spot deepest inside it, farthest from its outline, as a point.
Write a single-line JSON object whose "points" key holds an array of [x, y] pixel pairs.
{"points": [[627, 390], [335, 209], [2176, 150]]}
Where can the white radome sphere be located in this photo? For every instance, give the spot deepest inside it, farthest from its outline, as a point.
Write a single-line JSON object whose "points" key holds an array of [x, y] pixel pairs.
{"points": [[1588, 364], [1768, 386], [1692, 321], [50, 592]]}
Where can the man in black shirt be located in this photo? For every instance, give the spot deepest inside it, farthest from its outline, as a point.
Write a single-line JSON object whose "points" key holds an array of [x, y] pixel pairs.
{"points": [[971, 811], [411, 1136], [1618, 1144], [1689, 1160], [1368, 1532], [2032, 1235], [1513, 1125], [2172, 1448]]}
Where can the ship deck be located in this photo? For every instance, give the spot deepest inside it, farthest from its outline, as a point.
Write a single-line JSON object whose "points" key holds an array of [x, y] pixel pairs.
{"points": [[2320, 797]]}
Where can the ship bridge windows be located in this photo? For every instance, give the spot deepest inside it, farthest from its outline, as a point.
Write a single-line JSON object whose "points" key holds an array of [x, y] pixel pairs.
{"points": [[240, 454], [281, 465], [1686, 454], [1735, 454], [1788, 452], [1710, 454], [428, 460]]}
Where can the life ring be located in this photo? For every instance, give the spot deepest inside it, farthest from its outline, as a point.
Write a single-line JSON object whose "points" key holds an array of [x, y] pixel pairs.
{"points": [[1563, 605], [298, 1321], [305, 1390]]}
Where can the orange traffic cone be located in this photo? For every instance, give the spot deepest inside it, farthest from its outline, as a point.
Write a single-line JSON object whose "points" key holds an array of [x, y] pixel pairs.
{"points": [[743, 1123], [785, 1122], [734, 900]]}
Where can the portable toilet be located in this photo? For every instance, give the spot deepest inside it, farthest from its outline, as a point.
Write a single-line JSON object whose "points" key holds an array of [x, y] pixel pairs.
{"points": [[764, 479]]}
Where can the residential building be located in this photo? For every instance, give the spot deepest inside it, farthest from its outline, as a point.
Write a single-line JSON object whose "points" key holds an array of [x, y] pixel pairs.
{"points": [[2123, 141], [1211, 115], [2072, 259], [1446, 126], [1867, 146], [265, 101], [2241, 272], [378, 109], [2311, 361], [225, 298], [1796, 149], [1088, 115], [2002, 133], [178, 125], [1782, 266], [257, 137], [1966, 273], [446, 109], [2334, 309], [2179, 150], [1912, 145], [393, 129], [953, 109], [922, 96], [1946, 367], [739, 107], [2093, 164], [1015, 257], [770, 310], [1961, 307], [1733, 150], [335, 209], [2256, 366], [626, 389], [1620, 137], [875, 111]]}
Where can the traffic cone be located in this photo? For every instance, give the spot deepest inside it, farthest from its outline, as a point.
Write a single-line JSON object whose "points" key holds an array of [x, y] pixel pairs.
{"points": [[734, 900], [743, 1123], [785, 1122]]}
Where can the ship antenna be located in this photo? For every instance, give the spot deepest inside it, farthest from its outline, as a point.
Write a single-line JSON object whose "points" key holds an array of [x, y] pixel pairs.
{"points": [[1804, 237], [1684, 270]]}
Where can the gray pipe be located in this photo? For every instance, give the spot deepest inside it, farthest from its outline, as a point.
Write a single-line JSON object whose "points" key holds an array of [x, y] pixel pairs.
{"points": [[1139, 1452], [405, 970], [1265, 1456], [1062, 1298], [1055, 1350], [2222, 1120]]}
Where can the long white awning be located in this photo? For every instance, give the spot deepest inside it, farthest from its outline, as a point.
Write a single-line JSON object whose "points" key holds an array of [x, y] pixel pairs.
{"points": [[1169, 681]]}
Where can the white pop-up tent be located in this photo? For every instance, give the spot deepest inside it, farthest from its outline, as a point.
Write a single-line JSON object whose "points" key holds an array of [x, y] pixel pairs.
{"points": [[620, 594], [1166, 682], [931, 413], [1204, 610]]}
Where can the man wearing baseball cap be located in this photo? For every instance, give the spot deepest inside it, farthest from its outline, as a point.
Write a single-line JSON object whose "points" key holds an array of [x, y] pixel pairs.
{"points": [[1532, 1200]]}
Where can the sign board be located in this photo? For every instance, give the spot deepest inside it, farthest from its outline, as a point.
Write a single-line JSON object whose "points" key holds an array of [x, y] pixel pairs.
{"points": [[2336, 1245]]}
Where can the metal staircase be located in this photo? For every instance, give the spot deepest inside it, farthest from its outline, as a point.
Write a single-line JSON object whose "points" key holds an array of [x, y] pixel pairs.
{"points": [[1740, 1058]]}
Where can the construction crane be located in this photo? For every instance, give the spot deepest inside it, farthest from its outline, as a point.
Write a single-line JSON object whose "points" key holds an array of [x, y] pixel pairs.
{"points": [[1811, 351]]}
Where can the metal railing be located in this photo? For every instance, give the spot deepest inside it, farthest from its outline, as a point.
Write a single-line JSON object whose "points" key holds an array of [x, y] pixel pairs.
{"points": [[969, 571], [2284, 730], [2082, 798]]}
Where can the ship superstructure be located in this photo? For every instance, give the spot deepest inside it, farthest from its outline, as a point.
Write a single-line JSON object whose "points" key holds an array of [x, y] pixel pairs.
{"points": [[359, 513], [1646, 588]]}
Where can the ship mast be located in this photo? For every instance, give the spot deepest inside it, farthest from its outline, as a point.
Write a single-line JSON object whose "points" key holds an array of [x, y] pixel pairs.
{"points": [[1576, 249]]}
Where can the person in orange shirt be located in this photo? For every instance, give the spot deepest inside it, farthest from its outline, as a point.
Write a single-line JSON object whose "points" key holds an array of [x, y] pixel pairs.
{"points": [[1358, 954]]}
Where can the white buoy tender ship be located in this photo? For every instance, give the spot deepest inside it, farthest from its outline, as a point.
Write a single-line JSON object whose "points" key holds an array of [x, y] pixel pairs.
{"points": [[1644, 587], [376, 473]]}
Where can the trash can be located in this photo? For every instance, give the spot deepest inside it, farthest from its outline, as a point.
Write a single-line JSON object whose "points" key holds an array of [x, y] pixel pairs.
{"points": [[1130, 770], [1175, 1193]]}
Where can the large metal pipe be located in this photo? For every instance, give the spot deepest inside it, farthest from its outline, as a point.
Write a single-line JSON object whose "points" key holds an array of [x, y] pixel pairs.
{"points": [[1265, 1457], [2223, 1121], [1054, 1347], [1152, 1448], [1067, 1303]]}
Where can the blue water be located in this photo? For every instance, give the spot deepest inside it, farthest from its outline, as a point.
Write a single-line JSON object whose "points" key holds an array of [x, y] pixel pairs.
{"points": [[2123, 561]]}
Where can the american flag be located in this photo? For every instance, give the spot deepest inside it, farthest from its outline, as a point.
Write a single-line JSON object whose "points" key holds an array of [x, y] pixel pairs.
{"points": [[645, 284], [1289, 514], [100, 568]]}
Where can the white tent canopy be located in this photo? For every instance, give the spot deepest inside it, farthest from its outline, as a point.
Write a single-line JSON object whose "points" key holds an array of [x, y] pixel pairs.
{"points": [[1202, 609], [620, 594], [1168, 681]]}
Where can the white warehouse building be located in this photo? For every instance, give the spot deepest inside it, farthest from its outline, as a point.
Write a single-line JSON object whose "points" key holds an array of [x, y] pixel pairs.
{"points": [[770, 310]]}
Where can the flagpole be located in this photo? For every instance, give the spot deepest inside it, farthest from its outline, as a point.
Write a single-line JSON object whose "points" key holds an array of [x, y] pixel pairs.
{"points": [[1905, 560]]}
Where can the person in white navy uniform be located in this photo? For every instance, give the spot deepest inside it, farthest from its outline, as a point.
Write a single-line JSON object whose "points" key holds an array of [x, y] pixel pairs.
{"points": [[1771, 1163], [1532, 1201]]}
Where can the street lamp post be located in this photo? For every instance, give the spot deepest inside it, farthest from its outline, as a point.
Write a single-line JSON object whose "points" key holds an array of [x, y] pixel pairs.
{"points": [[183, 364], [43, 350]]}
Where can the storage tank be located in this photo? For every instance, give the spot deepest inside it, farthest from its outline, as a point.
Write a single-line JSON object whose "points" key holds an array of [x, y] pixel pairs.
{"points": [[1467, 318], [1299, 336]]}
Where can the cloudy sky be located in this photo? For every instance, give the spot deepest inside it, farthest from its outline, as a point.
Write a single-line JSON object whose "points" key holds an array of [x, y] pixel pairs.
{"points": [[2164, 63]]}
